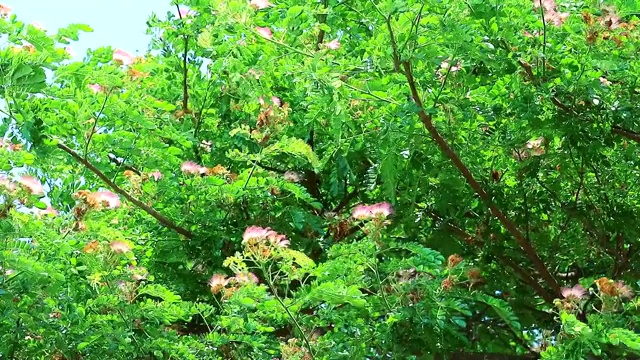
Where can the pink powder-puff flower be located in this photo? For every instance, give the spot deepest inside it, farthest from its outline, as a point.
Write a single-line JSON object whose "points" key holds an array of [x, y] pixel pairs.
{"points": [[120, 247], [278, 240], [259, 4], [123, 57], [96, 88], [107, 198], [625, 291], [333, 44], [574, 293], [32, 184], [217, 283], [49, 211], [4, 10], [184, 12], [191, 168], [382, 209], [265, 32], [361, 212], [365, 212], [155, 175], [256, 233]]}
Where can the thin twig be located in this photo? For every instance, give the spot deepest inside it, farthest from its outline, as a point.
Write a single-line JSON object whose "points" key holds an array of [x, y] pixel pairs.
{"points": [[544, 39], [95, 122], [322, 19], [146, 208], [185, 71], [368, 92]]}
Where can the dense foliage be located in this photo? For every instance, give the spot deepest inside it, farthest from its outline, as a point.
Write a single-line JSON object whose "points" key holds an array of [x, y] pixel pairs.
{"points": [[325, 180]]}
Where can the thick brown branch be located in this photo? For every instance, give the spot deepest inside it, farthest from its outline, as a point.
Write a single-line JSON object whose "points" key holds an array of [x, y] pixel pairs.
{"points": [[631, 135], [146, 208], [524, 274], [528, 249]]}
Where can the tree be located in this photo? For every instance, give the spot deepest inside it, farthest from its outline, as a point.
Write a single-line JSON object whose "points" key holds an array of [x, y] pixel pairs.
{"points": [[363, 179]]}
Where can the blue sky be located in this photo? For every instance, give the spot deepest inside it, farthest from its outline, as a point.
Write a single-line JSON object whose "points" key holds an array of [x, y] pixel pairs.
{"points": [[119, 23]]}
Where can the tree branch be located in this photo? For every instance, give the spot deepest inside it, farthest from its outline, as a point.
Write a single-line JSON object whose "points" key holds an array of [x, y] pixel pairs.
{"points": [[185, 72], [322, 19], [166, 222], [427, 121], [524, 274], [95, 122]]}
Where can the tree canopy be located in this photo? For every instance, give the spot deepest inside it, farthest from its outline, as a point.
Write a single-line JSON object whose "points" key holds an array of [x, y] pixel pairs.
{"points": [[369, 179]]}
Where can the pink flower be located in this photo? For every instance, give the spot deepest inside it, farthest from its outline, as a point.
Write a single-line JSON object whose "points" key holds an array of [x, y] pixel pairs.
{"points": [[546, 4], [278, 240], [604, 81], [274, 100], [246, 278], [156, 175], [265, 32], [120, 247], [255, 233], [217, 283], [361, 212], [8, 184], [4, 10], [70, 51], [333, 44], [48, 211], [32, 184], [382, 209], [122, 57], [292, 176], [625, 291], [183, 12], [189, 167], [111, 200], [574, 293], [551, 13], [365, 212], [95, 88], [260, 4]]}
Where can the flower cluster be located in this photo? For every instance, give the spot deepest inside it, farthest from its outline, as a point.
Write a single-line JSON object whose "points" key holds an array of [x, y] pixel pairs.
{"points": [[4, 10], [612, 288], [192, 168], [375, 211], [551, 13], [254, 235], [123, 57], [88, 201], [221, 283], [10, 146], [99, 199], [96, 88], [454, 260], [575, 293]]}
